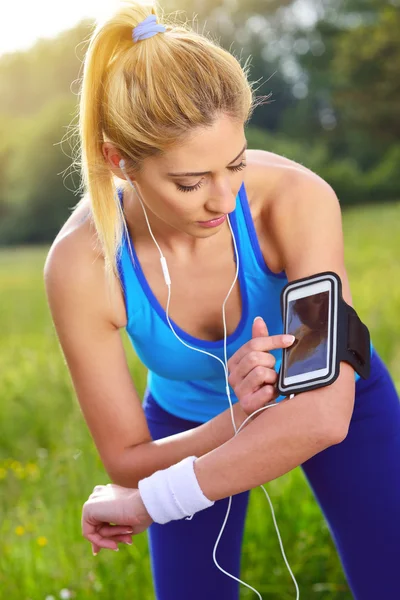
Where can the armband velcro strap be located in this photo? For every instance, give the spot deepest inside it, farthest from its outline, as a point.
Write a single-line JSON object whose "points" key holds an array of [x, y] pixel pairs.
{"points": [[354, 345], [173, 493], [358, 339]]}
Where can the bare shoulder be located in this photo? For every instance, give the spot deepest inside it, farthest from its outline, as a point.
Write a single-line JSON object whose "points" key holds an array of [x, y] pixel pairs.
{"points": [[74, 269], [276, 187], [268, 174]]}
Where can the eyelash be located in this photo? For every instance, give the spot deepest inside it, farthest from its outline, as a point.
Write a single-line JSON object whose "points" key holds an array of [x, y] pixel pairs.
{"points": [[187, 188]]}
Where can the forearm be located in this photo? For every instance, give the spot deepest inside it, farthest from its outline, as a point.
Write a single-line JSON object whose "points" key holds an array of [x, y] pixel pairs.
{"points": [[145, 459], [280, 439]]}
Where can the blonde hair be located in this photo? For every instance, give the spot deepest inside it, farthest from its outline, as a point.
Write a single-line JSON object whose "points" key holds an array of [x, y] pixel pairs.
{"points": [[145, 97]]}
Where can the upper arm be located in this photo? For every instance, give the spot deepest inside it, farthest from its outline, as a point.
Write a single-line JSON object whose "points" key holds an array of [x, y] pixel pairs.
{"points": [[307, 225], [94, 353]]}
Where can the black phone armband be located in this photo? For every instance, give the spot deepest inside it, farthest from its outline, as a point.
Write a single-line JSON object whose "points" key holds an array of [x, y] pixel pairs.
{"points": [[327, 331]]}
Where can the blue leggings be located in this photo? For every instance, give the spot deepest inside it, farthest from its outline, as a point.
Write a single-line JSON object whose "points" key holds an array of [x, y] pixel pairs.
{"points": [[356, 484]]}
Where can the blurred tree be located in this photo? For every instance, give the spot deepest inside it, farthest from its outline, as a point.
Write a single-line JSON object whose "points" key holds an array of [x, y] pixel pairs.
{"points": [[351, 53], [5, 155], [38, 199], [366, 69]]}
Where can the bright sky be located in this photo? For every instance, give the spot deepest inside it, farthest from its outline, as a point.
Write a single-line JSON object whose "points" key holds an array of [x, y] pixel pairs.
{"points": [[23, 22]]}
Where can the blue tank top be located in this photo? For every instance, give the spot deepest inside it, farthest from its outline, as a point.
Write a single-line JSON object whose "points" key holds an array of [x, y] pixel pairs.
{"points": [[186, 383]]}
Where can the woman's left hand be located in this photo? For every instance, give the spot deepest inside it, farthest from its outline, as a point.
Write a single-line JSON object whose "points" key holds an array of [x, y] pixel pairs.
{"points": [[113, 503], [252, 373]]}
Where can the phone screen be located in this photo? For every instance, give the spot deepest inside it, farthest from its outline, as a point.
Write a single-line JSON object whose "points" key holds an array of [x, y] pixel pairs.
{"points": [[307, 320]]}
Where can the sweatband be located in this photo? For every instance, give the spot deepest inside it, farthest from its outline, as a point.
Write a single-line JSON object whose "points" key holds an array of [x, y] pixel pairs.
{"points": [[173, 493]]}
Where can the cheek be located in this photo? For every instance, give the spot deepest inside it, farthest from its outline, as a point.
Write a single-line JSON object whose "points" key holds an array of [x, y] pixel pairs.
{"points": [[173, 209]]}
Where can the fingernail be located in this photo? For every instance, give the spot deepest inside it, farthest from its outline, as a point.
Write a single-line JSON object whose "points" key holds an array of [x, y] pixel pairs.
{"points": [[129, 543], [288, 339], [115, 549], [257, 318], [126, 532], [94, 553]]}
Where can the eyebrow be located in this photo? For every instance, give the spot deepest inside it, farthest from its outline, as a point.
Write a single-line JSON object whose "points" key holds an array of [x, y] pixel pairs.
{"points": [[207, 172]]}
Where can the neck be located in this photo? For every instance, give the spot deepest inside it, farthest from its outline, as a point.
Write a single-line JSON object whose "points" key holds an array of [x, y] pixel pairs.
{"points": [[176, 243]]}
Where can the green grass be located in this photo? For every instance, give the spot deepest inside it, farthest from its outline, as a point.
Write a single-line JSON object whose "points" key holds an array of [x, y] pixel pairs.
{"points": [[49, 464]]}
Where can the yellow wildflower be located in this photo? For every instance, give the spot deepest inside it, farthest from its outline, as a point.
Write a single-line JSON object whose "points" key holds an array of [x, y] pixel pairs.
{"points": [[20, 530], [42, 541], [32, 470]]}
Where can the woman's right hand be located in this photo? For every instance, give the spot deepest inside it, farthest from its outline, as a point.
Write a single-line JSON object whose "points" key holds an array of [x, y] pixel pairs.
{"points": [[109, 504], [251, 369]]}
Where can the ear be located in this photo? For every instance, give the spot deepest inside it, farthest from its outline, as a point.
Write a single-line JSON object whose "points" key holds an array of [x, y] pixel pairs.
{"points": [[112, 158]]}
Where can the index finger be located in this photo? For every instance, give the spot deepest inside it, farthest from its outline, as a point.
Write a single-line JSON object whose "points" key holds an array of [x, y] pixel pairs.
{"points": [[260, 344]]}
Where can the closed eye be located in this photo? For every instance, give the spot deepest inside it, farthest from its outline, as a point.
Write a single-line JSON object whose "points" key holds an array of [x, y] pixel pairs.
{"points": [[191, 188]]}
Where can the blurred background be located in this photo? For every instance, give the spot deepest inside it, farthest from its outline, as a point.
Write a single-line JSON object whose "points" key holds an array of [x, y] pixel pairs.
{"points": [[332, 69]]}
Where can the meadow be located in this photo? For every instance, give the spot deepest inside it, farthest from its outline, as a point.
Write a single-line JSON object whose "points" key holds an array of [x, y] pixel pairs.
{"points": [[49, 464]]}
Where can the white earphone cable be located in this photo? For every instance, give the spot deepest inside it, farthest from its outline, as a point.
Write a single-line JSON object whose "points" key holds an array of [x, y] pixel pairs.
{"points": [[225, 367]]}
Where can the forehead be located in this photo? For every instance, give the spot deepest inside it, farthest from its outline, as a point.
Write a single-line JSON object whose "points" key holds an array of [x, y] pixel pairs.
{"points": [[205, 146]]}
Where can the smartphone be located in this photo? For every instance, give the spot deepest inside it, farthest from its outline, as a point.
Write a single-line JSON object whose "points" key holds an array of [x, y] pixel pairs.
{"points": [[310, 313]]}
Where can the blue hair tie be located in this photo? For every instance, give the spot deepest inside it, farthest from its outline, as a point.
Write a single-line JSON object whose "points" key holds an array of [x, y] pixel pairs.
{"points": [[147, 28]]}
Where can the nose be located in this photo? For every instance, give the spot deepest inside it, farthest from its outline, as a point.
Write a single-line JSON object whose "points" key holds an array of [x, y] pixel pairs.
{"points": [[222, 199]]}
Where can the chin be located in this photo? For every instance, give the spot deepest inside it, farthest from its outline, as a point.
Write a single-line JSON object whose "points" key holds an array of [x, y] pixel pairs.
{"points": [[204, 232]]}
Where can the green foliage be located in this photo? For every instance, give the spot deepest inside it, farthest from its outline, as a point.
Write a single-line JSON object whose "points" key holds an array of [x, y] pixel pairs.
{"points": [[365, 68], [353, 76], [38, 197], [351, 184]]}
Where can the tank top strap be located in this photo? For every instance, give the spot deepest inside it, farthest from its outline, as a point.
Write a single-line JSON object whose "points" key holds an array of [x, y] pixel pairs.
{"points": [[250, 246], [135, 299]]}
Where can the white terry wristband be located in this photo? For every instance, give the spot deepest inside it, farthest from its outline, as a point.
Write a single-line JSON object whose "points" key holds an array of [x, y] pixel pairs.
{"points": [[173, 493]]}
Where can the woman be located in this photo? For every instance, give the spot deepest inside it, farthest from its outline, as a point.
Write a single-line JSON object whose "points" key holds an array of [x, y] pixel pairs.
{"points": [[173, 106]]}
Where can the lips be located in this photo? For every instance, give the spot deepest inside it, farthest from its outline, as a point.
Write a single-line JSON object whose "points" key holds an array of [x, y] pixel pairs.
{"points": [[211, 220]]}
